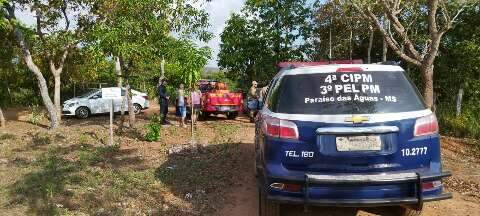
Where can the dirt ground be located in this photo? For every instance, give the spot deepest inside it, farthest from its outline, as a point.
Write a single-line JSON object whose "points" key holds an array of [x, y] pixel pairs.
{"points": [[228, 151]]}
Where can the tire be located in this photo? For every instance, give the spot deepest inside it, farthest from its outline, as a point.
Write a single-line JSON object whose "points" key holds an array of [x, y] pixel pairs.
{"points": [[405, 211], [137, 109], [82, 112], [267, 207], [204, 115], [232, 115]]}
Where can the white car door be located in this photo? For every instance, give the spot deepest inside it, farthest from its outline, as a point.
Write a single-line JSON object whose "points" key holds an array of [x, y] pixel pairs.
{"points": [[118, 101], [97, 104]]}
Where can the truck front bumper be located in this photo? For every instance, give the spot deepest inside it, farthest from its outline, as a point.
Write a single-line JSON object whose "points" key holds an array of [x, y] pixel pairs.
{"points": [[312, 180]]}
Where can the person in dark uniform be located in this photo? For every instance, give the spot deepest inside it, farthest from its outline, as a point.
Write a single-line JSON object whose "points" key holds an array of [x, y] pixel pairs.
{"points": [[163, 98]]}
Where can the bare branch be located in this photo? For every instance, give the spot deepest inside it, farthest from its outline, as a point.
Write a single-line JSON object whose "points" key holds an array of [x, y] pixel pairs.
{"points": [[64, 11], [39, 25], [400, 29], [368, 15], [450, 24], [446, 15], [431, 17]]}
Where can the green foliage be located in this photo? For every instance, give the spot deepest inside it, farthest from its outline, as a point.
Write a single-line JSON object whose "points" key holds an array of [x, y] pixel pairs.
{"points": [[3, 20], [221, 76], [139, 32], [467, 124], [458, 66], [153, 129], [35, 115], [263, 34]]}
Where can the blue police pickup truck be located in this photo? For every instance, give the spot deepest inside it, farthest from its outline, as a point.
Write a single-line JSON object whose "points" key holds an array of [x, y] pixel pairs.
{"points": [[348, 135]]}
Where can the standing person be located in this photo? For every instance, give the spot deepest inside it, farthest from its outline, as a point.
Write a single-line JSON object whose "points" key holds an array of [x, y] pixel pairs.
{"points": [[181, 104], [252, 100], [196, 96], [163, 98]]}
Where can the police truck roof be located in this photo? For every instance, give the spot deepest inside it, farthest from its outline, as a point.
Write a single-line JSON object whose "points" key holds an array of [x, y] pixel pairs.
{"points": [[341, 68]]}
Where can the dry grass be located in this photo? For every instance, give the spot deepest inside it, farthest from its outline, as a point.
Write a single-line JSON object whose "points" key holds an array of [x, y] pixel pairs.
{"points": [[72, 171]]}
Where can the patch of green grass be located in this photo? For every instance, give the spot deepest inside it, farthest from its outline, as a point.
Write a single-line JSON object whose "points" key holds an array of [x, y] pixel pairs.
{"points": [[43, 187], [6, 136], [153, 129], [83, 139], [92, 156], [224, 132], [466, 125], [36, 115], [207, 170], [40, 139]]}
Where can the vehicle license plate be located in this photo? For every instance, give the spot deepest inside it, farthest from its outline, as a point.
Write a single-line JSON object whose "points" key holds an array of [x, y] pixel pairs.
{"points": [[224, 108], [359, 143]]}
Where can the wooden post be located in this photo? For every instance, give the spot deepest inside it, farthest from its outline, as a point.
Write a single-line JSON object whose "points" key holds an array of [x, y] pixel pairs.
{"points": [[459, 101], [111, 123]]}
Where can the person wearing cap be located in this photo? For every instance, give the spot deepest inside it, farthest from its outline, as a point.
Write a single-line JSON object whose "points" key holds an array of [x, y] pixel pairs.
{"points": [[163, 98]]}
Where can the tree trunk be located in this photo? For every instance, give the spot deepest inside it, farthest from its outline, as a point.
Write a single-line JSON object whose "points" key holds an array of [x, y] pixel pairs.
{"points": [[386, 26], [370, 44], [56, 96], [193, 142], [42, 83], [2, 118], [118, 70], [427, 76], [350, 43], [131, 113], [459, 100]]}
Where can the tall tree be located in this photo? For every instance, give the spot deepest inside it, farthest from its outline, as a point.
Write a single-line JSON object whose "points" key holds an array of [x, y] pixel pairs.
{"points": [[27, 57], [263, 34], [440, 16], [458, 65], [137, 31], [2, 118], [55, 44], [3, 24]]}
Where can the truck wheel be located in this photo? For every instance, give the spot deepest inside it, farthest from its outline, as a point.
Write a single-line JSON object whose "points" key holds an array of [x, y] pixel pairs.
{"points": [[82, 112], [405, 211], [204, 115], [232, 115], [267, 207]]}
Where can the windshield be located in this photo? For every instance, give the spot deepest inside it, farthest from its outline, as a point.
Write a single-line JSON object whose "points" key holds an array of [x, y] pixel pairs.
{"points": [[347, 93], [88, 93]]}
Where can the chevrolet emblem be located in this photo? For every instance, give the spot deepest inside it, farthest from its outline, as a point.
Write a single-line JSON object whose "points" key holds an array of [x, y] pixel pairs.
{"points": [[357, 119]]}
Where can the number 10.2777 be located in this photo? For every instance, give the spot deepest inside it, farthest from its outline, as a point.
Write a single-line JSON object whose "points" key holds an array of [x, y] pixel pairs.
{"points": [[414, 151]]}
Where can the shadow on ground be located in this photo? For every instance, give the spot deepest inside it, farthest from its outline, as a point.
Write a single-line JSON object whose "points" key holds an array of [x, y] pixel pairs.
{"points": [[77, 177], [298, 210], [205, 177]]}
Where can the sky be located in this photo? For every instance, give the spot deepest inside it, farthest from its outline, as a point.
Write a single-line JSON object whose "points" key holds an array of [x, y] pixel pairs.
{"points": [[219, 11]]}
